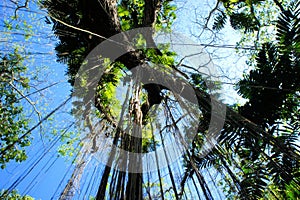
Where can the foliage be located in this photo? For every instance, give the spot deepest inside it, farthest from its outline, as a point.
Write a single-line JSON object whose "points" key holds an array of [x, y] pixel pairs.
{"points": [[241, 15], [13, 195], [262, 161], [13, 124], [274, 101], [270, 81], [255, 20], [131, 14], [257, 155], [69, 146], [166, 17], [220, 21]]}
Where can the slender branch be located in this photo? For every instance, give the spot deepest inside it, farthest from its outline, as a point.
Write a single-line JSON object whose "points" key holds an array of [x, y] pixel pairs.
{"points": [[228, 83], [39, 90], [210, 14], [27, 99], [23, 6], [85, 31], [8, 147]]}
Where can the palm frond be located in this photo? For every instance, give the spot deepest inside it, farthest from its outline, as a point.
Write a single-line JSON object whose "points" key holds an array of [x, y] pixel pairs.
{"points": [[220, 21]]}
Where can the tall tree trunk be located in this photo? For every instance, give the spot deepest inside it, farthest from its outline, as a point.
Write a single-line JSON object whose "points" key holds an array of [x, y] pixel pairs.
{"points": [[134, 188], [74, 182], [133, 145]]}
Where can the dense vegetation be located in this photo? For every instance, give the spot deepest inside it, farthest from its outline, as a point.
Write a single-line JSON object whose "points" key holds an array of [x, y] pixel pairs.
{"points": [[256, 155]]}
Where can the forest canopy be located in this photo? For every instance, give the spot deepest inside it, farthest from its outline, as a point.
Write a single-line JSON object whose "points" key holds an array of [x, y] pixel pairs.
{"points": [[147, 118]]}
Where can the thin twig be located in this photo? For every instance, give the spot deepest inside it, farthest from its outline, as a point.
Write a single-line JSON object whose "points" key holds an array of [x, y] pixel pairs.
{"points": [[27, 99], [210, 14], [8, 147], [84, 30], [27, 95], [23, 6]]}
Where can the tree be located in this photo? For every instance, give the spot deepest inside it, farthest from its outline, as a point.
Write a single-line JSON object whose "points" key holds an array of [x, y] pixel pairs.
{"points": [[13, 124], [24, 86], [255, 144], [269, 82], [22, 83]]}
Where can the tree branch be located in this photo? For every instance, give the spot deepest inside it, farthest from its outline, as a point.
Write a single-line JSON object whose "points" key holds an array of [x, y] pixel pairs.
{"points": [[280, 6], [34, 127], [211, 13]]}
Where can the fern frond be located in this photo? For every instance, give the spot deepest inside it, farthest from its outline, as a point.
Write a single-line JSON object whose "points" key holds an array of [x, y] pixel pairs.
{"points": [[220, 21]]}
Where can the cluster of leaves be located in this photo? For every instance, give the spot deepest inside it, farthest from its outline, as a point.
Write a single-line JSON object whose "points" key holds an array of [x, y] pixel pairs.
{"points": [[241, 15], [74, 44], [165, 56], [131, 14], [70, 144], [273, 92], [255, 20], [13, 195], [204, 84], [276, 76], [107, 90], [166, 17], [263, 162], [13, 124]]}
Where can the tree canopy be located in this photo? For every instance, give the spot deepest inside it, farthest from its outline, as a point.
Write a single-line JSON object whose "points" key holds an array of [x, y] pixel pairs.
{"points": [[135, 97]]}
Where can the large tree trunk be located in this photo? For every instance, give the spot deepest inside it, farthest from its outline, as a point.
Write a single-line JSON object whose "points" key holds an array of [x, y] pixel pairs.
{"points": [[133, 187]]}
